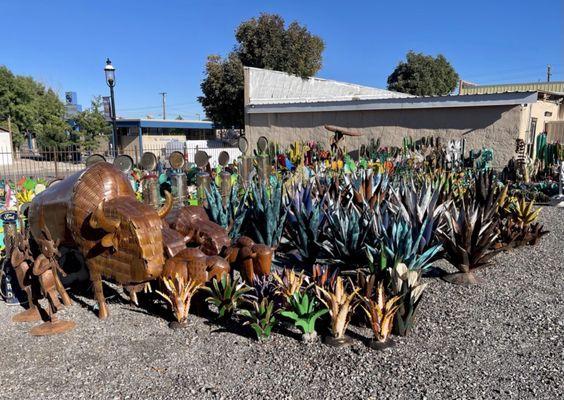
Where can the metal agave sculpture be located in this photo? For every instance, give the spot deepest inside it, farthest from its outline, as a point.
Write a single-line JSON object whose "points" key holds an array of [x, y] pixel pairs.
{"points": [[400, 243], [345, 235], [407, 284], [231, 214], [420, 208], [266, 214], [369, 189], [305, 221], [469, 238]]}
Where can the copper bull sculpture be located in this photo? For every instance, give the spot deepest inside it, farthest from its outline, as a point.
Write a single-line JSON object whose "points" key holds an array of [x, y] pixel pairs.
{"points": [[96, 212]]}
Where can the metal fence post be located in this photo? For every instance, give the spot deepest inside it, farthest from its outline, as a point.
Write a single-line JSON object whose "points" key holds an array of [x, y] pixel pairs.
{"points": [[56, 166]]}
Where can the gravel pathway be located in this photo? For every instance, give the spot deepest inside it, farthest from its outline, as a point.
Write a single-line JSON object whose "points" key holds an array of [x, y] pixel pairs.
{"points": [[501, 339]]}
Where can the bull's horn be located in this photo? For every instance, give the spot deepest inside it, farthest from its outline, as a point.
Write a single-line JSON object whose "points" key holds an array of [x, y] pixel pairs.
{"points": [[167, 206], [99, 220]]}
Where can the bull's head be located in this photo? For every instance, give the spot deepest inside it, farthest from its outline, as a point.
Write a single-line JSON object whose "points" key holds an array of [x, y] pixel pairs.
{"points": [[132, 231]]}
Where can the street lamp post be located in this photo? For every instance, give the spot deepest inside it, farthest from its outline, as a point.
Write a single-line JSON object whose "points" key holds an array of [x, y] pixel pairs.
{"points": [[110, 72]]}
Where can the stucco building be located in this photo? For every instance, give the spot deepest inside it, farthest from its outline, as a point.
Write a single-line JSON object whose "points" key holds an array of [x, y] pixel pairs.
{"points": [[286, 108]]}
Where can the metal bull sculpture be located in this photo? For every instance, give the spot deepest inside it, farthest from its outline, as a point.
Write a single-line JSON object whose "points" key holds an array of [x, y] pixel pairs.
{"points": [[96, 212]]}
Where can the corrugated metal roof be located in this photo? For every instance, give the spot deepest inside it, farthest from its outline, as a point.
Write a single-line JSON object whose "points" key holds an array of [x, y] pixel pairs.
{"points": [[274, 87], [482, 100], [555, 87]]}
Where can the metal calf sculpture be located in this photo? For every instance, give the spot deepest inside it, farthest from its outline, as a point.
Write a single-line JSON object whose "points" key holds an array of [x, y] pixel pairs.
{"points": [[194, 224], [22, 260], [47, 269], [250, 258], [96, 212], [193, 263]]}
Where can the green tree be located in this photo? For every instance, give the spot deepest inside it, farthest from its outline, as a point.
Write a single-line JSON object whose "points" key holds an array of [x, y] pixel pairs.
{"points": [[223, 91], [50, 127], [92, 126], [423, 75], [32, 108], [262, 42]]}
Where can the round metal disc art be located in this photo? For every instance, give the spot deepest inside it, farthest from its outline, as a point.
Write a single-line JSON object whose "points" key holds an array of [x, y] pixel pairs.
{"points": [[201, 158], [243, 144], [124, 163], [176, 160], [262, 144], [148, 161], [223, 158], [94, 158]]}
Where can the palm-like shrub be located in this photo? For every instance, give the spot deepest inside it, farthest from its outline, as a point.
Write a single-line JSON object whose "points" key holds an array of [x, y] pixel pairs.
{"points": [[370, 189], [289, 283], [400, 243], [179, 295], [261, 316], [420, 208]]}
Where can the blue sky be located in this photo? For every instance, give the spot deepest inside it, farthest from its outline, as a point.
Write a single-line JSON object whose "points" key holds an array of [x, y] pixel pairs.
{"points": [[162, 45]]}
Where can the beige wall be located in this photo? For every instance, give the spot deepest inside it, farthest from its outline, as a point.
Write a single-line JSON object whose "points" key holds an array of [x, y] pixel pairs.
{"points": [[150, 142], [494, 126], [538, 110]]}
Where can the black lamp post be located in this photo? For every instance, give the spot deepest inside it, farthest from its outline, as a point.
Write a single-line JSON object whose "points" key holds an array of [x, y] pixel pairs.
{"points": [[110, 72]]}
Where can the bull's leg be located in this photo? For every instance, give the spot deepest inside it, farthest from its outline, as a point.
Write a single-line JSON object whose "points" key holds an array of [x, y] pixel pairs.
{"points": [[96, 279], [248, 270], [132, 293]]}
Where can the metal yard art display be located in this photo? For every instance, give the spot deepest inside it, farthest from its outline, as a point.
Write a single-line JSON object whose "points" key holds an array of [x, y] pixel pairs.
{"points": [[150, 183], [224, 177], [264, 167], [246, 166], [121, 239], [178, 178], [203, 178], [338, 137], [361, 232], [96, 211]]}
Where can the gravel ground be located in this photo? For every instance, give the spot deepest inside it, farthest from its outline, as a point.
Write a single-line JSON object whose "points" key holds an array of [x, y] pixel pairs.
{"points": [[501, 339]]}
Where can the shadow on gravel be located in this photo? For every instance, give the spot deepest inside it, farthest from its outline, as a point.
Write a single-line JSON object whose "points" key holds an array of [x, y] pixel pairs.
{"points": [[234, 327], [435, 272]]}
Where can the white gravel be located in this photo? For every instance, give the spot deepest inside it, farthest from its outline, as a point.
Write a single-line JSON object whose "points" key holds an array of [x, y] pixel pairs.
{"points": [[502, 339]]}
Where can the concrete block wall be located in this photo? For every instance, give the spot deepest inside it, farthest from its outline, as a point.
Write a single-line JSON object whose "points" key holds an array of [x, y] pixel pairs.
{"points": [[494, 127]]}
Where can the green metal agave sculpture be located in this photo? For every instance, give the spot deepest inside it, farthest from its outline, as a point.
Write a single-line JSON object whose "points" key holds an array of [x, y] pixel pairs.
{"points": [[266, 216], [229, 214]]}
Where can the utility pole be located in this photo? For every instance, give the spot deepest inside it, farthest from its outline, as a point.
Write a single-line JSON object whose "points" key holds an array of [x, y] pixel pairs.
{"points": [[164, 103], [548, 73]]}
